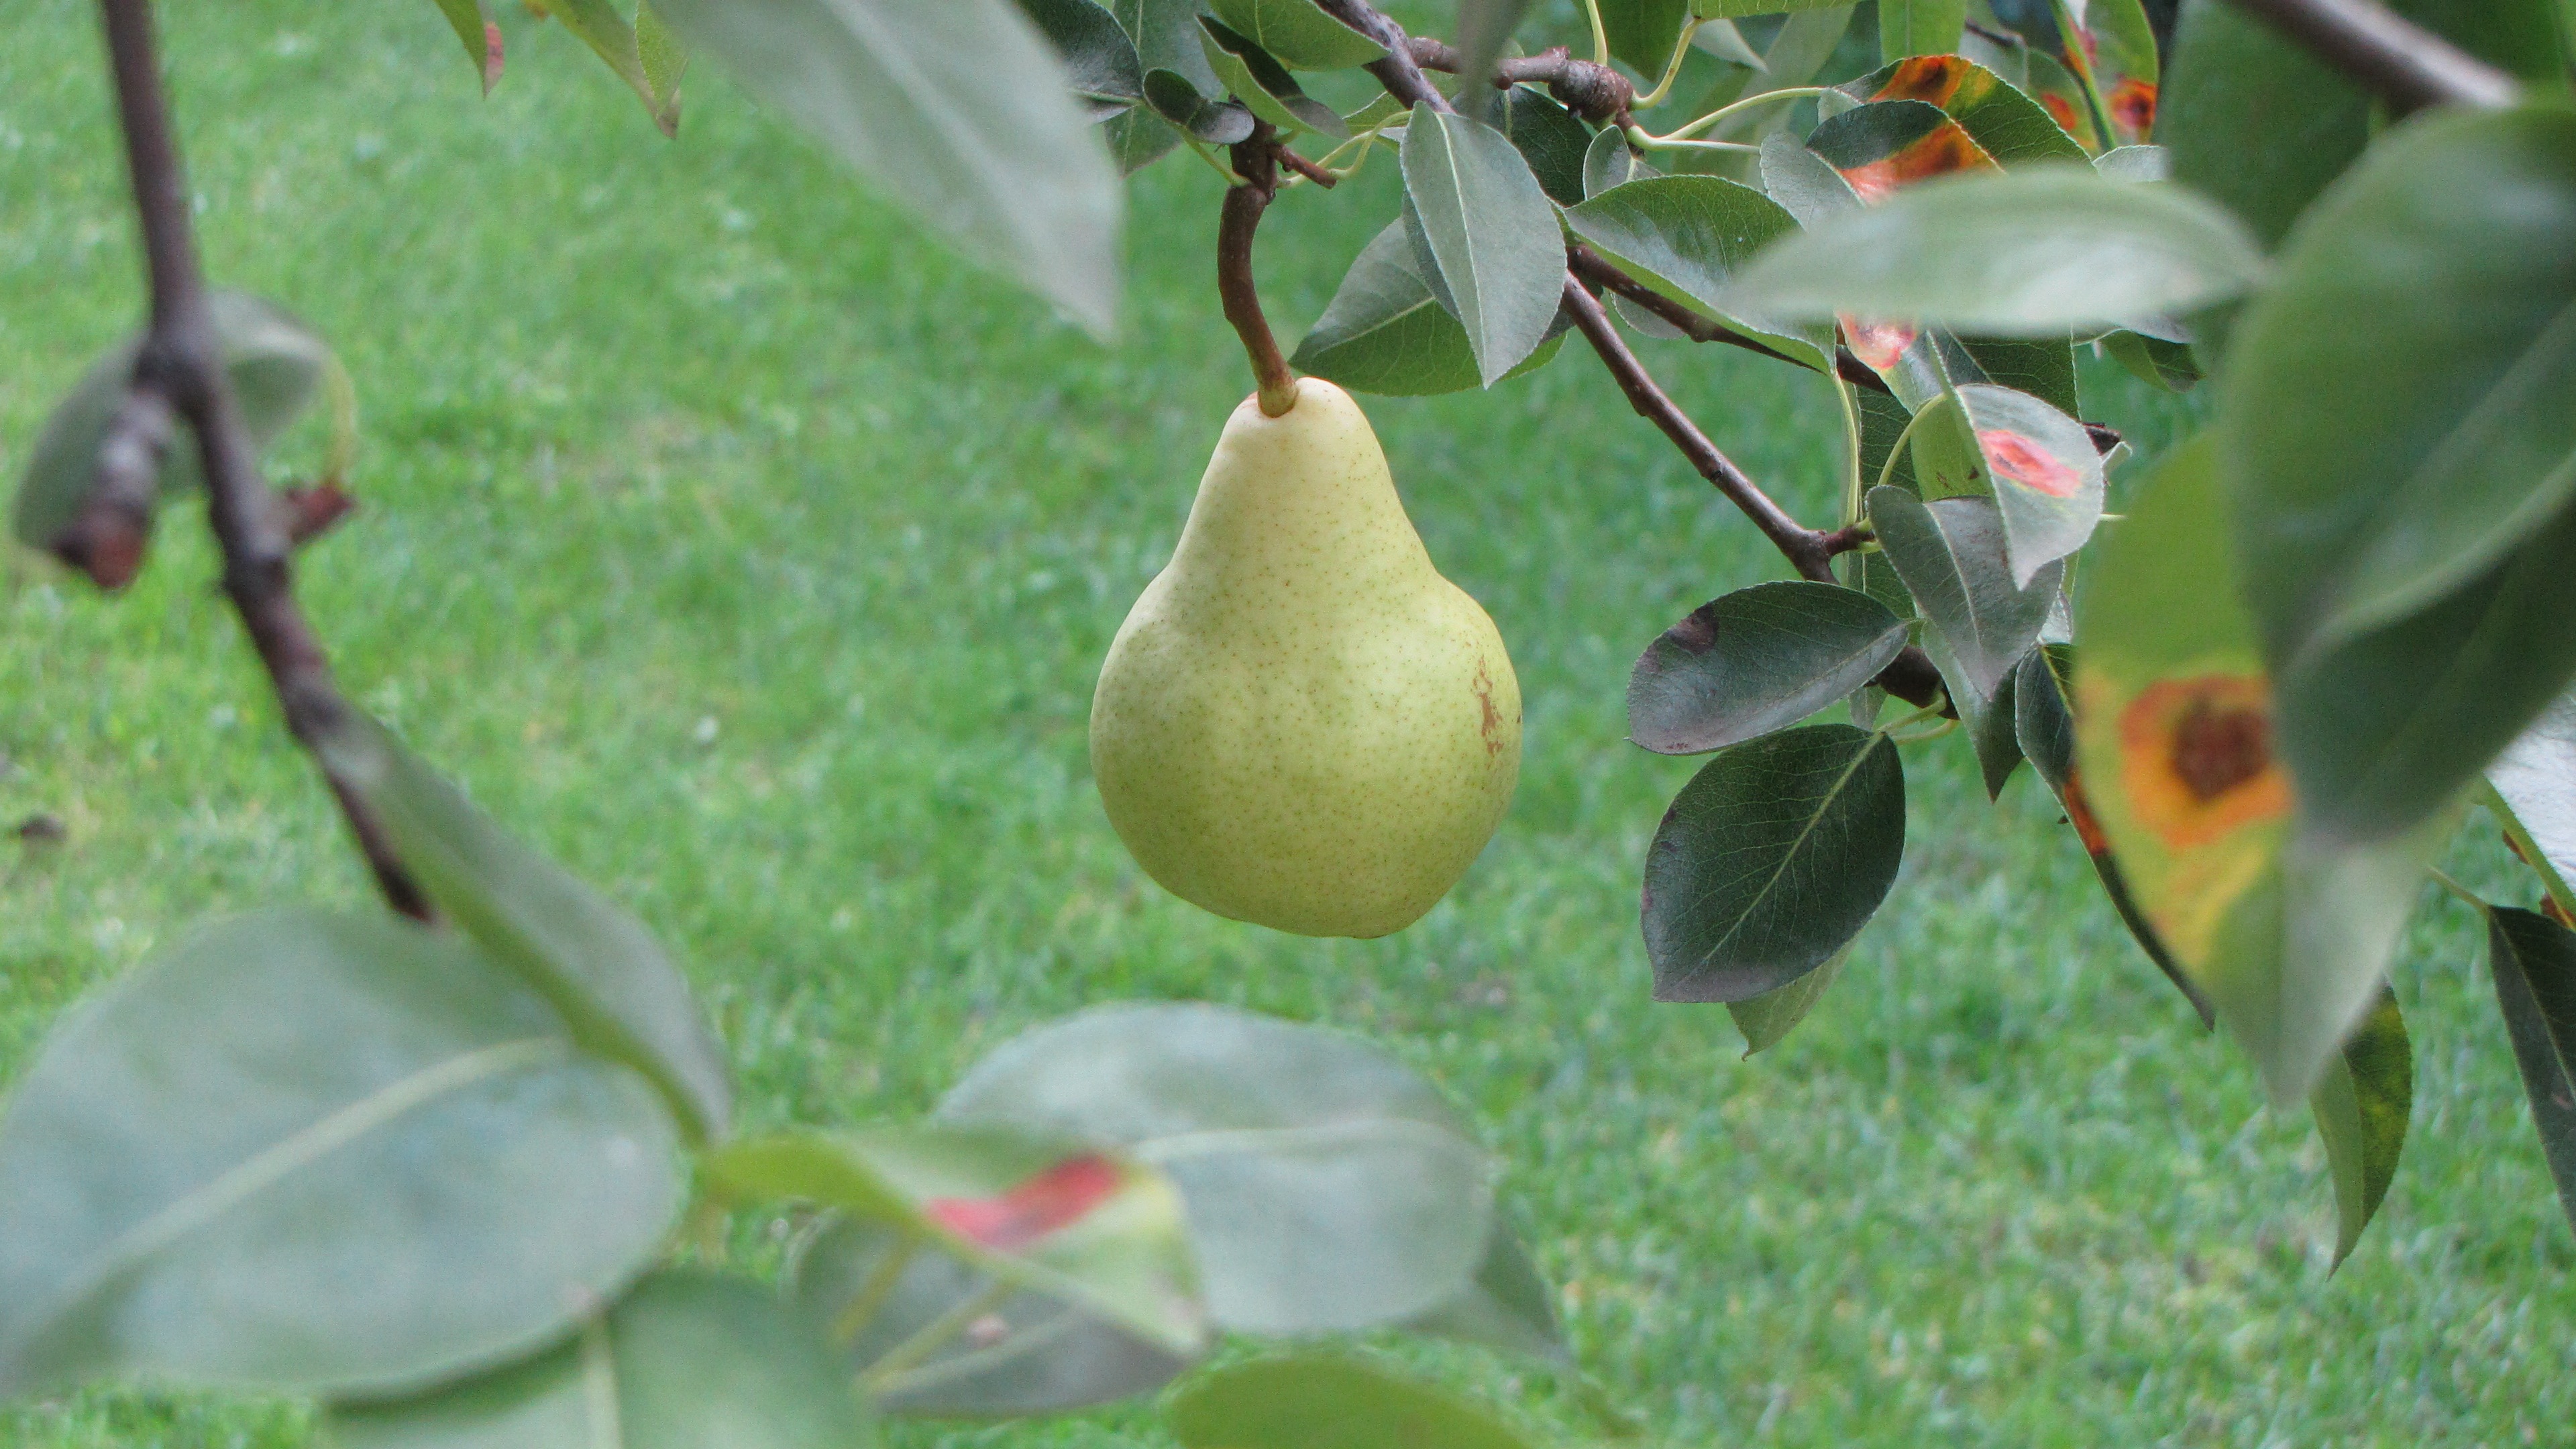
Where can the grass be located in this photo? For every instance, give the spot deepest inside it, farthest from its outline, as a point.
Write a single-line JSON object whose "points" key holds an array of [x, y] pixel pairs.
{"points": [[753, 555]]}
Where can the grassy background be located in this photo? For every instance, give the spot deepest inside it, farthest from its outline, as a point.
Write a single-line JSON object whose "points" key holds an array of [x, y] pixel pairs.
{"points": [[738, 545]]}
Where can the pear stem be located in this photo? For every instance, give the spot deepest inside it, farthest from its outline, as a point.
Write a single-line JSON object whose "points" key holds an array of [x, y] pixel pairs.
{"points": [[1256, 160]]}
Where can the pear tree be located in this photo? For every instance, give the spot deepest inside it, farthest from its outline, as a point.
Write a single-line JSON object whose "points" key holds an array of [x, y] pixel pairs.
{"points": [[2265, 683]]}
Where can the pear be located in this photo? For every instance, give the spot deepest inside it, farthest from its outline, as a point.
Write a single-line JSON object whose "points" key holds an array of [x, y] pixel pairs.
{"points": [[1302, 724]]}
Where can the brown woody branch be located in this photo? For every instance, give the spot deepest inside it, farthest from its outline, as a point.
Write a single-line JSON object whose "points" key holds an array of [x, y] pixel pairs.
{"points": [[2403, 63], [1256, 160], [1589, 89], [181, 365]]}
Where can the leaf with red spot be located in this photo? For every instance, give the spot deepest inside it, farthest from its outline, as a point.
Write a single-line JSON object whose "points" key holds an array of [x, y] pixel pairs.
{"points": [[1885, 145], [1035, 1210], [2110, 48], [2046, 476], [475, 30], [2010, 126]]}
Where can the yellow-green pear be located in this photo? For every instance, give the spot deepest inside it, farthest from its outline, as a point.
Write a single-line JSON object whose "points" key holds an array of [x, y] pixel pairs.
{"points": [[1302, 724]]}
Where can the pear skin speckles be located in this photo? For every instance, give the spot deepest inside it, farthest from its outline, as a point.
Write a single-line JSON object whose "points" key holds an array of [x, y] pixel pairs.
{"points": [[1301, 723]]}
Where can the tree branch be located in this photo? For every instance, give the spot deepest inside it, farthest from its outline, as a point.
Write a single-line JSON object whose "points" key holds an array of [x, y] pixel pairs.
{"points": [[1595, 92], [1593, 268], [181, 364], [2404, 64]]}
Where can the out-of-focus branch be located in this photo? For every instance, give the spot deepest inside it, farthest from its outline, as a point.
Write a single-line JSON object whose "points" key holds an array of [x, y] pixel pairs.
{"points": [[181, 367], [2402, 62]]}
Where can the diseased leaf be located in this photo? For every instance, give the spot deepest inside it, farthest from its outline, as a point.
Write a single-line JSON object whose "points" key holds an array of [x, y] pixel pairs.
{"points": [[480, 37], [1757, 660], [614, 983], [1771, 859], [2362, 1104], [1951, 554], [2023, 254], [1328, 1188], [1490, 231], [2047, 477], [1384, 332], [1017, 178], [686, 1361], [321, 1155], [2534, 960], [1886, 145], [2006, 125]]}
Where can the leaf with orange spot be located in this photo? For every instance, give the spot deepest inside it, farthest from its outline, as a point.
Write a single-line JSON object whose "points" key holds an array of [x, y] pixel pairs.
{"points": [[2111, 48], [2043, 469], [2011, 127], [1888, 144]]}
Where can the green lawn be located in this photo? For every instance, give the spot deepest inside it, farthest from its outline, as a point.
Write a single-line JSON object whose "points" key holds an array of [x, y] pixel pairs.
{"points": [[756, 557]]}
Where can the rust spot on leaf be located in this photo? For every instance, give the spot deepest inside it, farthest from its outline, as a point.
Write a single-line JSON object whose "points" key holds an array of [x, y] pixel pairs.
{"points": [[1877, 344], [1944, 149], [1931, 79], [2133, 107], [2062, 111], [1052, 1200], [2026, 463], [2196, 758]]}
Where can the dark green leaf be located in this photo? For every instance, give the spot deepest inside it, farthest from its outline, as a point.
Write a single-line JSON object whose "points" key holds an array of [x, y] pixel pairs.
{"points": [[686, 1361], [1490, 230], [1608, 161], [2022, 254], [2044, 367], [1138, 138], [2519, 35], [1951, 554], [1549, 137], [1737, 9], [1484, 28], [2362, 1103], [1016, 178], [316, 1154], [1297, 32], [1099, 60], [2534, 959], [2047, 479], [1166, 33], [2254, 120], [1757, 660], [621, 992], [275, 363], [2007, 125], [1990, 720], [1509, 1305], [2169, 365], [1770, 860], [597, 24], [480, 37], [1685, 236], [1325, 1399], [1384, 332], [1035, 1209], [1767, 1018], [2535, 781], [1217, 122], [1027, 1352], [2425, 320], [1920, 27], [1803, 182], [1328, 1187], [1263, 86], [1644, 32]]}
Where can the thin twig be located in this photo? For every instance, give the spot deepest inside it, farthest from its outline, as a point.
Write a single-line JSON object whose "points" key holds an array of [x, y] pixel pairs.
{"points": [[1592, 267], [180, 362], [2402, 62], [1256, 161]]}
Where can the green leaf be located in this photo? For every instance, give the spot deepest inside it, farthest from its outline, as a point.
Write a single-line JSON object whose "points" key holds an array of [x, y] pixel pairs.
{"points": [[480, 37], [1771, 859], [2044, 367], [1990, 719], [1099, 60], [1137, 139], [1550, 139], [2534, 959], [1491, 231], [2022, 254], [2168, 365], [1738, 9], [2425, 320], [1298, 32], [1608, 161], [1166, 33], [1685, 237], [1920, 27], [1328, 1187], [1757, 660], [2047, 478], [1484, 28], [314, 1154], [1644, 32], [2535, 782], [1016, 178], [1951, 554], [1021, 1352], [275, 362], [686, 1361], [1265, 88], [1804, 183], [1508, 1306], [1766, 1019], [1328, 1399], [1217, 122], [2007, 125], [2254, 120], [597, 24], [1034, 1209], [615, 985], [2362, 1103], [1384, 332], [664, 60]]}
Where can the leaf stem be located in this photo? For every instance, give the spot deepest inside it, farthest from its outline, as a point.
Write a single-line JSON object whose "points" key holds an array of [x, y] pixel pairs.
{"points": [[1639, 136], [1672, 70], [1257, 161], [1600, 36], [933, 1336], [864, 1305], [1725, 113]]}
